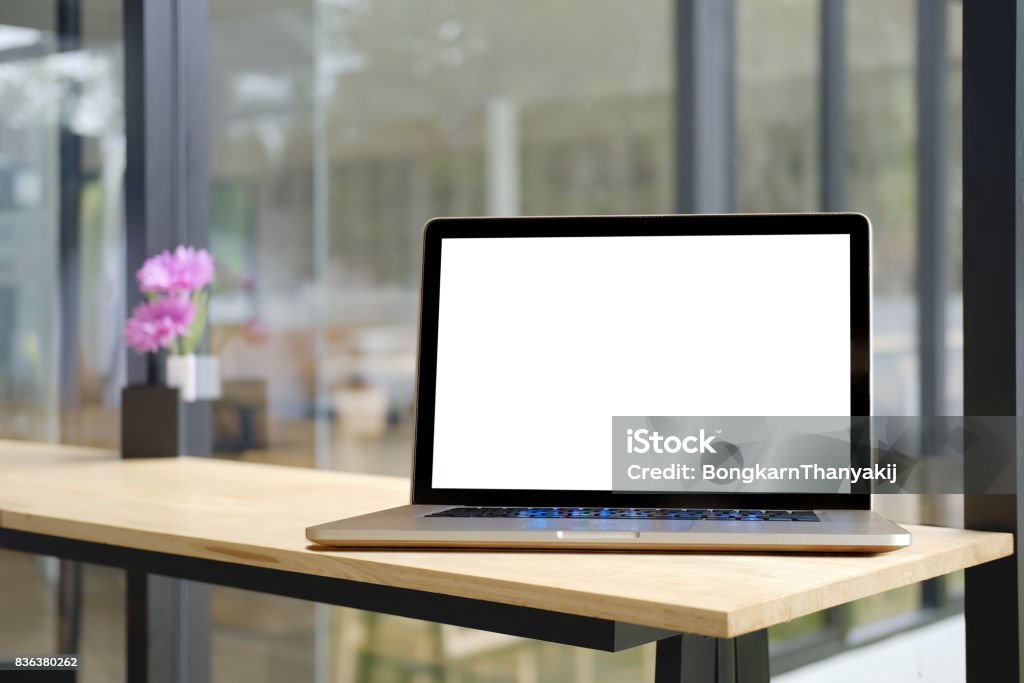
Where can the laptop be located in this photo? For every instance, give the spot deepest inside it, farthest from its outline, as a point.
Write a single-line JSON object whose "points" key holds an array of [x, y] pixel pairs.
{"points": [[541, 336]]}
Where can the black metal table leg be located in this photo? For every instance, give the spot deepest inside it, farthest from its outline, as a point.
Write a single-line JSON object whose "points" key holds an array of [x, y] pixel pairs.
{"points": [[752, 657], [69, 607], [700, 659], [168, 629]]}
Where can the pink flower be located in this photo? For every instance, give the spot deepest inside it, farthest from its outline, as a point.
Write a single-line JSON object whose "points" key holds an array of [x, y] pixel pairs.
{"points": [[186, 269], [155, 324]]}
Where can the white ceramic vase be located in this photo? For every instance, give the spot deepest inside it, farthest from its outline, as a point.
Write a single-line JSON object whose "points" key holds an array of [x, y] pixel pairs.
{"points": [[207, 377], [197, 377], [181, 374]]}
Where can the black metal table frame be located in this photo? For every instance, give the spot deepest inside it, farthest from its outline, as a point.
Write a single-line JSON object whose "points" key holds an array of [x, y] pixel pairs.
{"points": [[680, 657]]}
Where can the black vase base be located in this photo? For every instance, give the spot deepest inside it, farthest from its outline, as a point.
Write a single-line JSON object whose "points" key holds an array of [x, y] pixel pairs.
{"points": [[150, 422]]}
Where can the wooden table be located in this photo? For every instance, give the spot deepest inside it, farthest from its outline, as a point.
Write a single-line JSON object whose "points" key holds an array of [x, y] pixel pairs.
{"points": [[242, 525]]}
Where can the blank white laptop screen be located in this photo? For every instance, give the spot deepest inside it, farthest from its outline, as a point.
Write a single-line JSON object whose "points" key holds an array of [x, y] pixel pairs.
{"points": [[542, 340]]}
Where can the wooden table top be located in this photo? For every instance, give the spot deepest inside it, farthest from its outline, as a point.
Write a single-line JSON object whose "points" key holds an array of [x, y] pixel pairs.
{"points": [[256, 514]]}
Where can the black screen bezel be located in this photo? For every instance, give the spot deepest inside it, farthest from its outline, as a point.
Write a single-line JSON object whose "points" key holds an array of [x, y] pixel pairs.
{"points": [[438, 229]]}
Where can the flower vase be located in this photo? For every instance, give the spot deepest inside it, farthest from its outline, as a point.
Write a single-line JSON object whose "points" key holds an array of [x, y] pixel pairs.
{"points": [[151, 422], [181, 374], [196, 376], [207, 377]]}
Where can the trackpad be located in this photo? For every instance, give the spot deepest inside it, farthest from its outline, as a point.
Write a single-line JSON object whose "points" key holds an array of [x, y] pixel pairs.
{"points": [[606, 536]]}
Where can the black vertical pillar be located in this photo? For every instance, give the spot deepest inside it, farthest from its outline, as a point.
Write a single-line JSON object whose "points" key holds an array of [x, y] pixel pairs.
{"points": [[151, 195], [167, 175], [166, 45], [932, 190], [705, 116], [832, 159], [69, 38], [193, 172], [932, 225], [69, 30], [832, 110], [993, 312]]}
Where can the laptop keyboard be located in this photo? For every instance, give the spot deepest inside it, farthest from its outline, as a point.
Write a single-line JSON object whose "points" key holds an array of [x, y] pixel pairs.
{"points": [[631, 513]]}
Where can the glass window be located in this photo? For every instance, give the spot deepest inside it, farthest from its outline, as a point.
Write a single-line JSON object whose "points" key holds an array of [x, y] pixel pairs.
{"points": [[337, 130], [29, 195], [61, 283], [61, 229], [777, 105], [882, 167]]}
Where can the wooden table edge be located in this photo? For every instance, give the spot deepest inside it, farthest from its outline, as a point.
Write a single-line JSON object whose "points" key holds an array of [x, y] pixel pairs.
{"points": [[695, 620], [992, 546]]}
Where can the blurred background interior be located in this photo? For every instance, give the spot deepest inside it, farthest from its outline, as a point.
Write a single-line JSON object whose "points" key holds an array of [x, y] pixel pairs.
{"points": [[336, 128]]}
